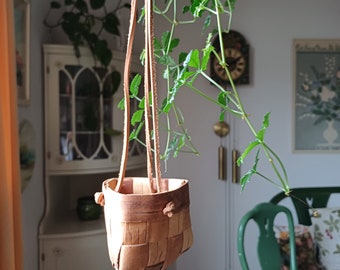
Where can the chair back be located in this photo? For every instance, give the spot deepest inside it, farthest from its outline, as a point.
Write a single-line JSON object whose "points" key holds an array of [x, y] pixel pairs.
{"points": [[267, 248], [303, 198]]}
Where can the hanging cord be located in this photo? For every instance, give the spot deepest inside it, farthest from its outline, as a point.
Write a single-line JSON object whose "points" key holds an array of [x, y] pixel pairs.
{"points": [[149, 87], [127, 66], [147, 113]]}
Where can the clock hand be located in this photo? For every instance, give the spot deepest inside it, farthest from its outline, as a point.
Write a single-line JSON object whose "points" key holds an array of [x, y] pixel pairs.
{"points": [[233, 61]]}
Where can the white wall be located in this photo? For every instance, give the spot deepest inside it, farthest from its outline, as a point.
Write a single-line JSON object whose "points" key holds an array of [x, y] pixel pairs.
{"points": [[33, 196], [269, 26]]}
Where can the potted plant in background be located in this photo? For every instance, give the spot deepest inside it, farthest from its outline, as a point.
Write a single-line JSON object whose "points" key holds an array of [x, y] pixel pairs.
{"points": [[90, 24], [87, 23]]}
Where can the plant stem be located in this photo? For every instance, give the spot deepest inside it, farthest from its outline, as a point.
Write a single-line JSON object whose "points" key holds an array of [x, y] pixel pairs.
{"points": [[244, 115], [186, 72]]}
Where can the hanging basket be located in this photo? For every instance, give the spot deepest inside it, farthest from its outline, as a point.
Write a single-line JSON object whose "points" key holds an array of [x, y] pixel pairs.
{"points": [[147, 219], [146, 230]]}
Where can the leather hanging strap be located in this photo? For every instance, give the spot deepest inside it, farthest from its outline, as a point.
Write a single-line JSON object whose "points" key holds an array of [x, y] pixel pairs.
{"points": [[149, 90], [126, 83], [150, 87]]}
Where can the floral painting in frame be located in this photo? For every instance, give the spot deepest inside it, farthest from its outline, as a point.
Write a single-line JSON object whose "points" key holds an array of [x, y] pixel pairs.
{"points": [[316, 95], [22, 30]]}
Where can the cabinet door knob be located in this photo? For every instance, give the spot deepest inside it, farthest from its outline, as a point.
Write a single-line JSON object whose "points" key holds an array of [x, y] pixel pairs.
{"points": [[58, 252]]}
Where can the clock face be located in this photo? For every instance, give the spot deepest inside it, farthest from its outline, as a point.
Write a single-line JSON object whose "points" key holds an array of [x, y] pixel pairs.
{"points": [[236, 64], [236, 51]]}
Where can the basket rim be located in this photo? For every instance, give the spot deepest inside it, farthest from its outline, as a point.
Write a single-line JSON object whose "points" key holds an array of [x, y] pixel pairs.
{"points": [[107, 187]]}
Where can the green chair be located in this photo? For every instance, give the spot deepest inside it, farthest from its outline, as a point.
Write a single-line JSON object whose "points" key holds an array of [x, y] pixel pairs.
{"points": [[267, 248], [304, 198]]}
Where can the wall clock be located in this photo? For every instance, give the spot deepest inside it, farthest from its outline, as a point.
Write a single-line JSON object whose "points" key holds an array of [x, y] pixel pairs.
{"points": [[236, 51]]}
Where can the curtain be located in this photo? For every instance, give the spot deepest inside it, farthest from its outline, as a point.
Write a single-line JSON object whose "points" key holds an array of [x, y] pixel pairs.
{"points": [[10, 192]]}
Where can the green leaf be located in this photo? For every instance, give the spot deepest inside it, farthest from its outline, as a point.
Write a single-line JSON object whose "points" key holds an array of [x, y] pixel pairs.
{"points": [[81, 5], [166, 60], [179, 81], [194, 59], [173, 44], [223, 98], [191, 77], [102, 52], [207, 22], [166, 105], [180, 144], [91, 38], [185, 9], [206, 56], [245, 153], [135, 133], [121, 104], [134, 86], [265, 125], [186, 75], [115, 79], [141, 104], [111, 84], [137, 117], [181, 57], [112, 132], [172, 145], [165, 39], [247, 177], [68, 2], [111, 23], [232, 4], [157, 44], [96, 4], [197, 7], [55, 5]]}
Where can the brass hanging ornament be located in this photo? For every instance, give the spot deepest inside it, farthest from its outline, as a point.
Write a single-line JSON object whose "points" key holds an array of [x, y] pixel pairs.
{"points": [[222, 129]]}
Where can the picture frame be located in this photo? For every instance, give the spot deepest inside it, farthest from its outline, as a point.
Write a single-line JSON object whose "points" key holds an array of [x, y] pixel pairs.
{"points": [[316, 85], [22, 49]]}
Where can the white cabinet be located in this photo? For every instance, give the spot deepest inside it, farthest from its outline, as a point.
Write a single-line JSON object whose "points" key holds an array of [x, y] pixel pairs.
{"points": [[82, 148], [82, 121], [76, 252]]}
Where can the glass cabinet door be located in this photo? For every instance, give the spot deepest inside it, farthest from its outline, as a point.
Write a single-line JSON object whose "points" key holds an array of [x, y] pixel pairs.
{"points": [[86, 110], [83, 123]]}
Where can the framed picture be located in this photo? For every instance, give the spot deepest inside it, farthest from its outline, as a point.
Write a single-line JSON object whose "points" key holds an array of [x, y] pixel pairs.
{"points": [[316, 95], [22, 49]]}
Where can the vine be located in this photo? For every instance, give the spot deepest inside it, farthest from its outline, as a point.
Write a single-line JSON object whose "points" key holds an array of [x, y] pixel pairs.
{"points": [[184, 72]]}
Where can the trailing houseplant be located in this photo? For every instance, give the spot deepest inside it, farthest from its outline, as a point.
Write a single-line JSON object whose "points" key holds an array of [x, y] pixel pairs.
{"points": [[181, 70]]}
